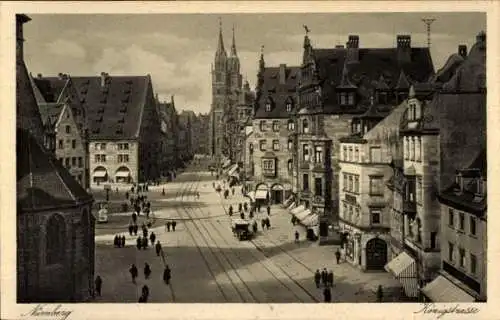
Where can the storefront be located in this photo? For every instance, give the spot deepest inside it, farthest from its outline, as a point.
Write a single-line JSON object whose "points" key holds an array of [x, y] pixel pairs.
{"points": [[442, 289]]}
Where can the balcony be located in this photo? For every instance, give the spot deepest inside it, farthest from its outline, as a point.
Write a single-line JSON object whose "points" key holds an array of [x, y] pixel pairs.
{"points": [[304, 165]]}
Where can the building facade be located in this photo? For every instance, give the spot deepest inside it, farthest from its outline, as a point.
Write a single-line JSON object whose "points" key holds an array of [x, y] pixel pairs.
{"points": [[63, 114], [439, 137], [55, 225], [170, 159], [272, 151], [335, 85], [245, 112], [365, 212], [226, 90]]}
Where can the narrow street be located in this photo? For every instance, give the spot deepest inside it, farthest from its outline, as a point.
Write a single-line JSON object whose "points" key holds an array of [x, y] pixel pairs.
{"points": [[209, 264]]}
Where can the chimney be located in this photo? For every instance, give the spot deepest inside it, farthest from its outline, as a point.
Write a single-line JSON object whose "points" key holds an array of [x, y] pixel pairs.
{"points": [[462, 50], [282, 74], [39, 76], [481, 40], [21, 19], [60, 76], [404, 48], [352, 46]]}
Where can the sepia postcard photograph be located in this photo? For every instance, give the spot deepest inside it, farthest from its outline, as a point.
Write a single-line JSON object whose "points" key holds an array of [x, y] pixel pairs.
{"points": [[248, 160]]}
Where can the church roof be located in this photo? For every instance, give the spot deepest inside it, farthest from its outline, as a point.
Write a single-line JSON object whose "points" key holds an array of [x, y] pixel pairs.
{"points": [[42, 182], [113, 111], [278, 93]]}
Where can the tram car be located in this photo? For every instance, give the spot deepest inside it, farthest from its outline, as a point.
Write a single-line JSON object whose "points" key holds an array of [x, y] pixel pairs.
{"points": [[242, 229]]}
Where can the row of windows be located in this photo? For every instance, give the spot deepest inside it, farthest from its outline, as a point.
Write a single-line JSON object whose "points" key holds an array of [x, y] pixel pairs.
{"points": [[351, 182], [318, 154], [61, 144], [413, 148], [270, 165], [276, 126], [102, 146], [351, 154], [263, 145], [461, 222], [269, 106], [72, 162], [318, 185], [352, 213], [462, 260], [120, 158]]}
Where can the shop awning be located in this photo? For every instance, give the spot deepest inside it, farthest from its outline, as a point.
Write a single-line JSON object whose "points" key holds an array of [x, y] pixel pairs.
{"points": [[261, 194], [122, 174], [226, 164], [298, 209], [100, 173], [277, 187], [251, 195], [443, 290], [302, 215], [311, 220], [291, 206], [403, 267]]}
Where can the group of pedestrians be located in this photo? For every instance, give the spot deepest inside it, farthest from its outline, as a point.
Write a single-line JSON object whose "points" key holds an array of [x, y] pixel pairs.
{"points": [[325, 279], [170, 224], [142, 242], [119, 241]]}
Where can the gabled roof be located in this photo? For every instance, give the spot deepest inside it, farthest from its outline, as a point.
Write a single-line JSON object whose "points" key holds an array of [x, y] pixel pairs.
{"points": [[42, 182], [277, 93], [50, 113], [113, 111], [372, 65], [403, 82]]}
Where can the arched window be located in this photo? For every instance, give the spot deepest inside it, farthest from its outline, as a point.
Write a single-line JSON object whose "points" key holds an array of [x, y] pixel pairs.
{"points": [[291, 125], [289, 104], [290, 165], [55, 240]]}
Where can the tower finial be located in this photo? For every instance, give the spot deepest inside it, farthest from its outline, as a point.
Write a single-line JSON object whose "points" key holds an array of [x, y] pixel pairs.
{"points": [[221, 52], [233, 45]]}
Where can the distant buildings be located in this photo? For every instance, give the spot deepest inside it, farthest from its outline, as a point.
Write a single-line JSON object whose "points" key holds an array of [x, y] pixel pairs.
{"points": [[55, 225]]}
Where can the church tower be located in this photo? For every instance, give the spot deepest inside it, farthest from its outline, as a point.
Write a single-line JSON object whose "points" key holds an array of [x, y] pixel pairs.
{"points": [[226, 88]]}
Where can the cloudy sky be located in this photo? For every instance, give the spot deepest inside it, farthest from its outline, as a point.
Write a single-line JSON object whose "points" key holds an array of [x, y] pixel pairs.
{"points": [[178, 49]]}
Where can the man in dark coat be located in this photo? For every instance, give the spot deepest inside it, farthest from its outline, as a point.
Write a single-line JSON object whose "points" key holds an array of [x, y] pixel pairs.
{"points": [[268, 223], [144, 242], [152, 237], [255, 227], [324, 277], [268, 210], [123, 241], [173, 225], [145, 292], [116, 241], [133, 272], [380, 294], [130, 229], [147, 270], [136, 228], [167, 274], [158, 248], [139, 243], [330, 278], [317, 278], [327, 294], [263, 224], [230, 210], [167, 225], [337, 256], [98, 285], [296, 236]]}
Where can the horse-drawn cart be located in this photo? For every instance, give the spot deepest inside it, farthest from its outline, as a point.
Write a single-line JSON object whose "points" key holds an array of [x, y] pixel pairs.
{"points": [[241, 229]]}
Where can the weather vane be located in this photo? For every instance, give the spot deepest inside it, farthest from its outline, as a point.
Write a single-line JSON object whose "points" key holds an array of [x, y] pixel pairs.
{"points": [[262, 49], [307, 29]]}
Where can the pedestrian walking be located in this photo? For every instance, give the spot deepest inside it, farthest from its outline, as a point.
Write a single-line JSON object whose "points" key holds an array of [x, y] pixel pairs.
{"points": [[230, 210], [254, 227], [144, 242], [147, 270], [263, 223], [158, 248], [245, 206], [324, 277], [268, 223], [167, 225], [98, 285], [173, 225], [136, 228], [337, 256], [116, 241], [268, 210], [293, 220], [317, 278], [152, 237], [296, 236], [163, 191], [145, 292], [330, 278], [327, 294], [145, 232], [167, 274], [130, 229], [380, 294], [123, 241], [133, 272]]}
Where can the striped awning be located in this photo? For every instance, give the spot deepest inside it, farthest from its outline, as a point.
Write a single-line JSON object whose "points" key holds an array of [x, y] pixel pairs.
{"points": [[261, 194], [311, 220], [100, 173], [291, 206], [403, 267], [122, 174], [303, 214], [443, 290], [232, 170]]}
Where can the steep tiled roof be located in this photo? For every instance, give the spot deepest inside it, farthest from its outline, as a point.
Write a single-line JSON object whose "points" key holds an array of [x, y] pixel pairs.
{"points": [[278, 93], [50, 113], [42, 183], [373, 64], [115, 111], [468, 199]]}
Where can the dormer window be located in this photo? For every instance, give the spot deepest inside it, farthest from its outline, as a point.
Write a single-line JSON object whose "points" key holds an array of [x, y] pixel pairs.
{"points": [[288, 107], [382, 97], [268, 107], [346, 98], [459, 180]]}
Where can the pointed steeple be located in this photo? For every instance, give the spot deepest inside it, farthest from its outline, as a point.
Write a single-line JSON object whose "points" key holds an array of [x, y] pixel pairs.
{"points": [[233, 46], [344, 82], [412, 92], [220, 54], [262, 63], [403, 82]]}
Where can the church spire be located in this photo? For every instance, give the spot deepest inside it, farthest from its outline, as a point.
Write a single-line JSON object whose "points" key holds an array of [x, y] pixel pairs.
{"points": [[221, 51], [262, 63], [233, 46]]}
